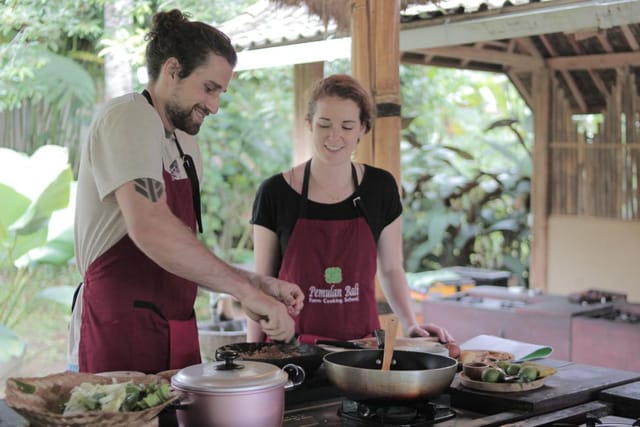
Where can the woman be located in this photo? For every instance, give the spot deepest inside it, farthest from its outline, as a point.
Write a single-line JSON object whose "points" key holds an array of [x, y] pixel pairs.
{"points": [[328, 223]]}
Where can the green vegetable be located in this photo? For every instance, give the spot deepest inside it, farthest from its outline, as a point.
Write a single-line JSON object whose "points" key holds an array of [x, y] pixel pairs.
{"points": [[122, 397], [493, 375], [25, 387], [512, 369], [529, 372]]}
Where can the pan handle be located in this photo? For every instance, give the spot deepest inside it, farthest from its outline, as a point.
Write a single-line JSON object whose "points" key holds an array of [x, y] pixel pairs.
{"points": [[379, 334], [341, 344]]}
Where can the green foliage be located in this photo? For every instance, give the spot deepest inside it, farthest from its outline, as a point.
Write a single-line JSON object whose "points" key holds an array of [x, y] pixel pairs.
{"points": [[36, 228], [32, 27], [466, 171], [246, 142]]}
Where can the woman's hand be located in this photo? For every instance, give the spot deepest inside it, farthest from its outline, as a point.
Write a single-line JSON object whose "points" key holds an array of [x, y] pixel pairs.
{"points": [[443, 335], [431, 329]]}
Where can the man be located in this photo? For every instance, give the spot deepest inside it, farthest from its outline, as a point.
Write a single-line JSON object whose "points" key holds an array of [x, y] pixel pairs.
{"points": [[138, 207]]}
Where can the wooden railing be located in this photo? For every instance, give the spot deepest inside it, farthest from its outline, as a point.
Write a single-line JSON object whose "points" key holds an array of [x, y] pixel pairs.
{"points": [[595, 179]]}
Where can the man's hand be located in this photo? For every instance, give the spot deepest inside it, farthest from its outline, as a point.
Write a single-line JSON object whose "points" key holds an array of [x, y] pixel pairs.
{"points": [[286, 292], [272, 315]]}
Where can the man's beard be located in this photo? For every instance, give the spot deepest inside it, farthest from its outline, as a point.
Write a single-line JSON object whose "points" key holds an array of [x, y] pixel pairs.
{"points": [[182, 119]]}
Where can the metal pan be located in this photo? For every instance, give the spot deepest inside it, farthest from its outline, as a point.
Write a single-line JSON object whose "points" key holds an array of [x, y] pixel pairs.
{"points": [[307, 356], [413, 375]]}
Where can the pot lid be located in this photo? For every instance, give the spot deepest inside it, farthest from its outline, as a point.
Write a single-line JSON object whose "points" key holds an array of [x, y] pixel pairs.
{"points": [[229, 376]]}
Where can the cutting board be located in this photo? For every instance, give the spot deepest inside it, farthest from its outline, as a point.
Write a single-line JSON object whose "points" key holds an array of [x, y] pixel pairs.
{"points": [[573, 384], [626, 399]]}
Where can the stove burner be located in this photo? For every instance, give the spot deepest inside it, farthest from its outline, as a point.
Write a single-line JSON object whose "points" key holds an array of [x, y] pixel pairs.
{"points": [[620, 316], [593, 421], [400, 414]]}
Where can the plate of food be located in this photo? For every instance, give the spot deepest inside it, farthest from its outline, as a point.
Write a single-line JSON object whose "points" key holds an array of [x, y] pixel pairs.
{"points": [[505, 377], [490, 357]]}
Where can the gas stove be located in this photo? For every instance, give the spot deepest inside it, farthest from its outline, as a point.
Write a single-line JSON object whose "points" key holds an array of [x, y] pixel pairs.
{"points": [[349, 413], [318, 403], [610, 421], [595, 296], [405, 414]]}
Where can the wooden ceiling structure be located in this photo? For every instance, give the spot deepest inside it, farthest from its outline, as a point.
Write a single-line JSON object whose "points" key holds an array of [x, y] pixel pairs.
{"points": [[565, 57]]}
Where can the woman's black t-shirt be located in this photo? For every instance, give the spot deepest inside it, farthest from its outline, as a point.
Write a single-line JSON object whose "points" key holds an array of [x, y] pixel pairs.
{"points": [[277, 205]]}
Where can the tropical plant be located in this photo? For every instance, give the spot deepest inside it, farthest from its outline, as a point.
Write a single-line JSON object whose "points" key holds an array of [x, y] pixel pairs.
{"points": [[246, 142], [465, 189], [36, 227]]}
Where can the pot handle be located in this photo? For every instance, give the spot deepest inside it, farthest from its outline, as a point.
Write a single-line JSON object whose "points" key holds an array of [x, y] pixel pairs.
{"points": [[296, 375], [182, 402]]}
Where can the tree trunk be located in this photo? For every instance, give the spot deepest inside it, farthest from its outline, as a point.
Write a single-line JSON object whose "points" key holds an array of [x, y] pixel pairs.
{"points": [[117, 69]]}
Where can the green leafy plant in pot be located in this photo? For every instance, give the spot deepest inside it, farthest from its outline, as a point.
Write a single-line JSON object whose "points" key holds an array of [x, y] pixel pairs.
{"points": [[36, 227]]}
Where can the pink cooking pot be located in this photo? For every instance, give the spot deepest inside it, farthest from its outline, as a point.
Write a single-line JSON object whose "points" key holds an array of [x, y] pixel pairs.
{"points": [[233, 393]]}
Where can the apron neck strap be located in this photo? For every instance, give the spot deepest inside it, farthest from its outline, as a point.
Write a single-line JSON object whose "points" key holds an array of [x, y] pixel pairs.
{"points": [[305, 191], [190, 170]]}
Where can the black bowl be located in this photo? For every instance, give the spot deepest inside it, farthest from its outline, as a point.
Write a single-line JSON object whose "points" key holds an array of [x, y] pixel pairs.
{"points": [[308, 357]]}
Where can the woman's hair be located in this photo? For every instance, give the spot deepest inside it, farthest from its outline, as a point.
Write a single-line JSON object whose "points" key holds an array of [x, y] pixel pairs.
{"points": [[190, 42], [345, 87]]}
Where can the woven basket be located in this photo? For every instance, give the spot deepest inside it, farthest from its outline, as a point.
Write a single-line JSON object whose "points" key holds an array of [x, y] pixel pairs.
{"points": [[44, 406]]}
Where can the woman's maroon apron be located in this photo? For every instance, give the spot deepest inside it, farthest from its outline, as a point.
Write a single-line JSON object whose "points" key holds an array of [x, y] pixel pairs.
{"points": [[137, 316], [334, 262]]}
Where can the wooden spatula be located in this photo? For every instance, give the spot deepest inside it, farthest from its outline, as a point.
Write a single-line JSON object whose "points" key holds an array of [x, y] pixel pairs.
{"points": [[390, 331]]}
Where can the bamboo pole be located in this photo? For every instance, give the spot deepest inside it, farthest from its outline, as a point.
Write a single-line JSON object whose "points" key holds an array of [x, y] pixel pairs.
{"points": [[375, 53], [386, 137], [361, 52], [540, 179]]}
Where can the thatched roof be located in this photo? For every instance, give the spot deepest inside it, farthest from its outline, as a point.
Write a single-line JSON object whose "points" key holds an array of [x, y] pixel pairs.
{"points": [[585, 42], [337, 10]]}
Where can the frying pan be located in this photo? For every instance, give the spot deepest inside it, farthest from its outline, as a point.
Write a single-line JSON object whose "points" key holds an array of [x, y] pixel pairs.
{"points": [[413, 375], [308, 357]]}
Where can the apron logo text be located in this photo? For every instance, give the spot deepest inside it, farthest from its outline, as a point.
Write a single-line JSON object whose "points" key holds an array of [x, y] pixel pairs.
{"points": [[334, 295]]}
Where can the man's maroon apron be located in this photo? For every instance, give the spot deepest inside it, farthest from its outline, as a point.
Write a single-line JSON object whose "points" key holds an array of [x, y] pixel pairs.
{"points": [[334, 262], [136, 315]]}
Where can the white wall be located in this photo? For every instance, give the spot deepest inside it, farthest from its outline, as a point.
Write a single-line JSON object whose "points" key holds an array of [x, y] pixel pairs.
{"points": [[586, 253]]}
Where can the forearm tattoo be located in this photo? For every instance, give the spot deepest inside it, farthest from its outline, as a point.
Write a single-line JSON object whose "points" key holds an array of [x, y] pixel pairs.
{"points": [[149, 188]]}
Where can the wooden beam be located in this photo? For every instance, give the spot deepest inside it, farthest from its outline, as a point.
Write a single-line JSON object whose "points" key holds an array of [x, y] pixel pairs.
{"points": [[540, 18], [595, 62], [540, 180], [527, 44], [575, 92], [510, 60], [629, 37], [597, 81], [522, 88], [433, 61]]}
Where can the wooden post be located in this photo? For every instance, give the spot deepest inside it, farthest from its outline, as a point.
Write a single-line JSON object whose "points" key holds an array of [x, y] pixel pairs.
{"points": [[540, 179], [386, 136], [361, 54], [376, 64], [375, 35], [304, 75]]}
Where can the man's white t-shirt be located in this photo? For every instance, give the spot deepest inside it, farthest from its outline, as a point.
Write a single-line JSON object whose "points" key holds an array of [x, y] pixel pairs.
{"points": [[126, 141]]}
